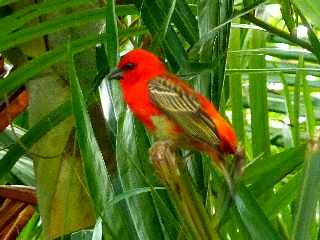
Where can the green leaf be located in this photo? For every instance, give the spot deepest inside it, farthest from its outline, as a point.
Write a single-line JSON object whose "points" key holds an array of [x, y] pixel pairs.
{"points": [[98, 181], [296, 103], [22, 74], [280, 33], [131, 193], [60, 192], [6, 2], [234, 61], [182, 18], [258, 100], [58, 24], [24, 15], [96, 172], [313, 38], [33, 135], [288, 101], [152, 14], [288, 54], [265, 172], [283, 196], [252, 216], [287, 14], [305, 218], [136, 171], [111, 37], [23, 170], [311, 122], [311, 8], [163, 30], [81, 235], [214, 50], [186, 22], [211, 33]]}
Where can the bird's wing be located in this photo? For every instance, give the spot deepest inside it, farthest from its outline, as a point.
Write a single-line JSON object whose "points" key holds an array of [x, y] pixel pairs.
{"points": [[184, 109]]}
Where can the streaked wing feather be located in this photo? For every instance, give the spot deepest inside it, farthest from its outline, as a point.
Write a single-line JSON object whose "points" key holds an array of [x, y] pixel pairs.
{"points": [[183, 109]]}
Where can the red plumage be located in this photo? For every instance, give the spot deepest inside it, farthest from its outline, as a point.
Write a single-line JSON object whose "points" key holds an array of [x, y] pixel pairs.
{"points": [[170, 108]]}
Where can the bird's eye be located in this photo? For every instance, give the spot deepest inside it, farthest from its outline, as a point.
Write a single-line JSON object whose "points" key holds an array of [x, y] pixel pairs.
{"points": [[128, 66]]}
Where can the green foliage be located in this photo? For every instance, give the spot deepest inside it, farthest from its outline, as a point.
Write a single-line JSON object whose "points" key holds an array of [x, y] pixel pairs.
{"points": [[92, 167]]}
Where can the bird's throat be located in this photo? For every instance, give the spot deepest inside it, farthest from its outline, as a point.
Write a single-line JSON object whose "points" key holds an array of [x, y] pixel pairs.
{"points": [[137, 97]]}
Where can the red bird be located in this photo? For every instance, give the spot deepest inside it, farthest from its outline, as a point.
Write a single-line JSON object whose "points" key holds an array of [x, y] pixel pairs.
{"points": [[171, 109]]}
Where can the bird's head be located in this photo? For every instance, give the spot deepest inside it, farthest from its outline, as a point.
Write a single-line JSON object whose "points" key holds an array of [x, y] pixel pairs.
{"points": [[137, 65]]}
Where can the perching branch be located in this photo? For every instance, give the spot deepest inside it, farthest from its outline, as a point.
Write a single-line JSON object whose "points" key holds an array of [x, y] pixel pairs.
{"points": [[197, 222]]}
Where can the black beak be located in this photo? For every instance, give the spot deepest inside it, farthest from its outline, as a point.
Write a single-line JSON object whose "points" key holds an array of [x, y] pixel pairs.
{"points": [[115, 74]]}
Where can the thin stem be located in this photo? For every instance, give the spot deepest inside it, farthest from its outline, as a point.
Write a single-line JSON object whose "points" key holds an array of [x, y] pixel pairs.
{"points": [[279, 32]]}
